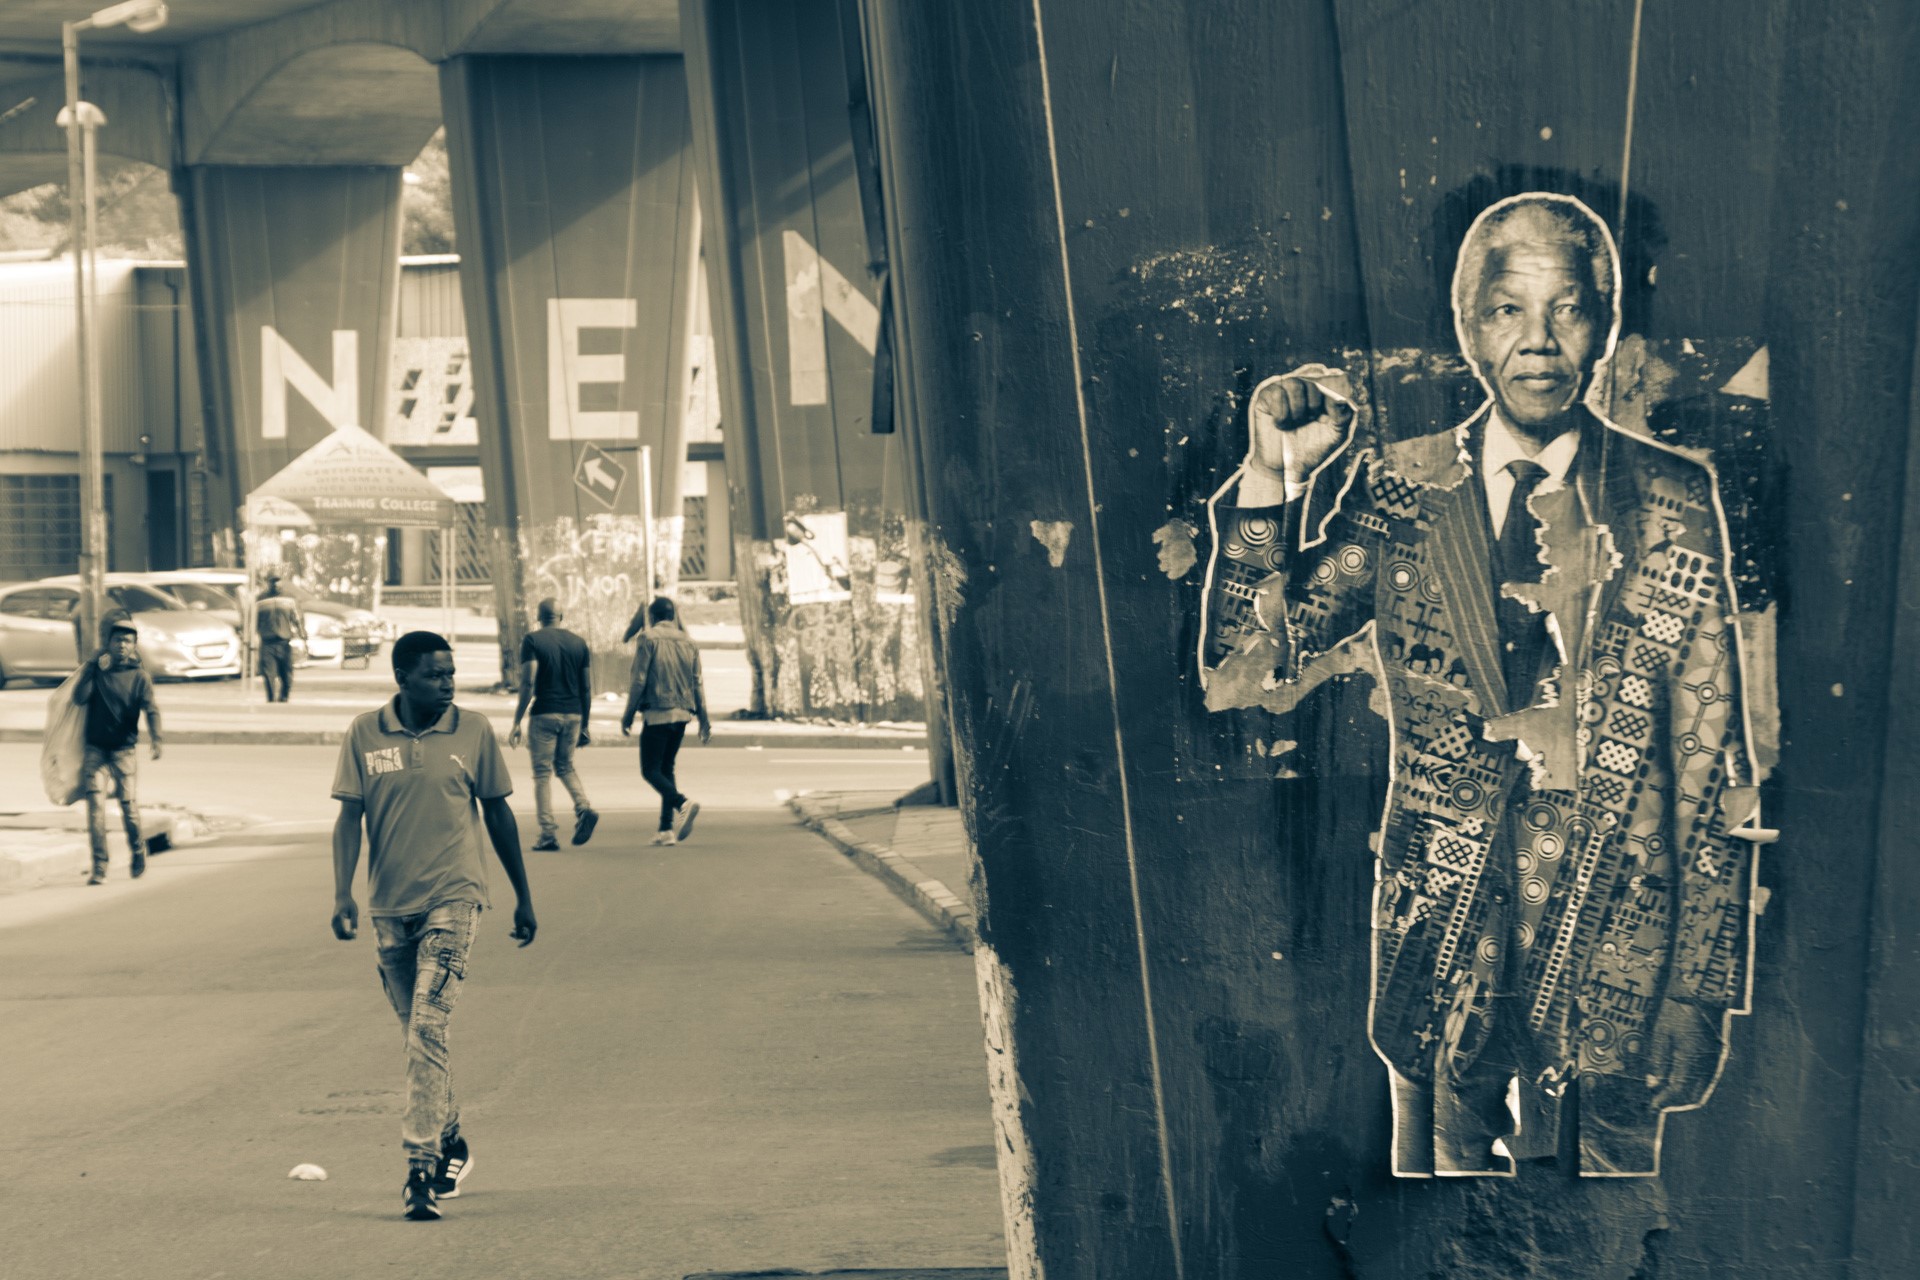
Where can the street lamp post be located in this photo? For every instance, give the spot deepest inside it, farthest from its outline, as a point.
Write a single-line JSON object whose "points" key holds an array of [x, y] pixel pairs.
{"points": [[82, 121]]}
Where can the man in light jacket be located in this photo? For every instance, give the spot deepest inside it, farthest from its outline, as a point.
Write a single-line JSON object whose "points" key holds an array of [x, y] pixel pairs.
{"points": [[666, 692]]}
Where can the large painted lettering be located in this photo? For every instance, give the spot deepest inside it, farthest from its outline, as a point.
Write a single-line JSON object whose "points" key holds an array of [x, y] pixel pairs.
{"points": [[569, 369], [816, 290], [282, 368]]}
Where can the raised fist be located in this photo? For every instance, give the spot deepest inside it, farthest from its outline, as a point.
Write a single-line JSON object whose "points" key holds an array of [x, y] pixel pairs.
{"points": [[1298, 420]]}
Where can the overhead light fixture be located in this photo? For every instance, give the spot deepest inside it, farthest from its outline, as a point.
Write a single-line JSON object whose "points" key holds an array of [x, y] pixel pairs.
{"points": [[136, 15]]}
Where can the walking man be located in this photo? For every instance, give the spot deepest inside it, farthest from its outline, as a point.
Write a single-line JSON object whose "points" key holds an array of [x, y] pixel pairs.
{"points": [[115, 690], [666, 693], [412, 771], [556, 676], [277, 620]]}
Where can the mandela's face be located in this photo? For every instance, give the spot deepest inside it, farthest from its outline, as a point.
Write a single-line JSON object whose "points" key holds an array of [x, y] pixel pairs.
{"points": [[1534, 331]]}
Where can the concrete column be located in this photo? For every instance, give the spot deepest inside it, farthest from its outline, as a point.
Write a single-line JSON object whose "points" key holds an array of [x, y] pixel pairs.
{"points": [[577, 221], [822, 552], [1112, 220], [293, 273]]}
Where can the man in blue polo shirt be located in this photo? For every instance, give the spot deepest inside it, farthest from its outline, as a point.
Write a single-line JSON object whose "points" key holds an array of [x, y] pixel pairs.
{"points": [[412, 772]]}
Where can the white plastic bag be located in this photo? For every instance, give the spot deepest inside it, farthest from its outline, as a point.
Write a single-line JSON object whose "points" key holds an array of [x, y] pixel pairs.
{"points": [[63, 748]]}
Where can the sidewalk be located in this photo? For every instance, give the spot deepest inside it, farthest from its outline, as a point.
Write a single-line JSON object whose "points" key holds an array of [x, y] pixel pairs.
{"points": [[919, 851], [485, 628], [49, 846], [327, 698]]}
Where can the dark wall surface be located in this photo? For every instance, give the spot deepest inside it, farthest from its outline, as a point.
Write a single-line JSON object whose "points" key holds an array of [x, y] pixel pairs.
{"points": [[1113, 219]]}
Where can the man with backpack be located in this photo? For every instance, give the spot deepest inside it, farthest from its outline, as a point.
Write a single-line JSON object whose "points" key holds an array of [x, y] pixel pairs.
{"points": [[115, 690]]}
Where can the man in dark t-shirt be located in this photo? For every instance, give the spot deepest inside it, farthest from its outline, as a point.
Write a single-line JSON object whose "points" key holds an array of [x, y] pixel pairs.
{"points": [[278, 621], [115, 691], [556, 676]]}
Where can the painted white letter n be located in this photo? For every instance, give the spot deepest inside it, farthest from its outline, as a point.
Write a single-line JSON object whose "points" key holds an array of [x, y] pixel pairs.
{"points": [[281, 367]]}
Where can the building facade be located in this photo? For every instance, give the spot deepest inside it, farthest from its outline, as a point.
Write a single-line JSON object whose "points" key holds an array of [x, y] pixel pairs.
{"points": [[155, 441]]}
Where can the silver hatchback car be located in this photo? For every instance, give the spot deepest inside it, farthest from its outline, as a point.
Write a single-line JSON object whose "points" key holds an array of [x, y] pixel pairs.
{"points": [[39, 640]]}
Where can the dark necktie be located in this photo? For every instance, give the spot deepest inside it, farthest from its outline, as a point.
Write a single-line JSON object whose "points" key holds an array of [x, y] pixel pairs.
{"points": [[1523, 633]]}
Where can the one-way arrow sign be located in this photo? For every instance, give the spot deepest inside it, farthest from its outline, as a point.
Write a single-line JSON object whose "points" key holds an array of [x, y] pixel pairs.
{"points": [[599, 476]]}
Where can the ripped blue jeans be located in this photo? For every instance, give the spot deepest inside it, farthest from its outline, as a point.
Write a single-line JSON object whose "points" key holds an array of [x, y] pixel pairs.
{"points": [[423, 960]]}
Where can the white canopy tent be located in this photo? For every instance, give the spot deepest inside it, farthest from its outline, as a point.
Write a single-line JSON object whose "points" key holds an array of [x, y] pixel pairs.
{"points": [[350, 479]]}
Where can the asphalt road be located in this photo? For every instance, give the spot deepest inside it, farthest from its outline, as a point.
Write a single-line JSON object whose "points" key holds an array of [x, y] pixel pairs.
{"points": [[739, 1053]]}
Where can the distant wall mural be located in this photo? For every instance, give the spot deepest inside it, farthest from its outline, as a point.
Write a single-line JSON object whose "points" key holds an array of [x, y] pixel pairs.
{"points": [[1564, 890]]}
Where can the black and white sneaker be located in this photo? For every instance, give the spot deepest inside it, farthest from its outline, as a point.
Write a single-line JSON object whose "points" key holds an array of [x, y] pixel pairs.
{"points": [[419, 1200], [683, 819], [583, 825], [455, 1164]]}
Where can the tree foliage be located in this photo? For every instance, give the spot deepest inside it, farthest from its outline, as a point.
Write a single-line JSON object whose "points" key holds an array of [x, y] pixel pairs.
{"points": [[138, 217], [135, 214], [427, 201]]}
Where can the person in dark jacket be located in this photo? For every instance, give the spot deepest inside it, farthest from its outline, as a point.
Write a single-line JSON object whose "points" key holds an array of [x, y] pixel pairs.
{"points": [[666, 692], [115, 691]]}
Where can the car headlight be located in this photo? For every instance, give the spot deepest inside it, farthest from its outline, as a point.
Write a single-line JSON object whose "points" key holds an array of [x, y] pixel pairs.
{"points": [[326, 628]]}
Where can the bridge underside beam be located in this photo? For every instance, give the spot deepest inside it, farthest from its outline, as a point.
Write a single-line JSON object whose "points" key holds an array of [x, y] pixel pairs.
{"points": [[823, 545], [294, 279], [33, 148], [578, 226]]}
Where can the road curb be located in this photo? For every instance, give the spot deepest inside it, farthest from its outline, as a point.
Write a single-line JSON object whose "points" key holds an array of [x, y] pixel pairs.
{"points": [[42, 855], [925, 894], [800, 739]]}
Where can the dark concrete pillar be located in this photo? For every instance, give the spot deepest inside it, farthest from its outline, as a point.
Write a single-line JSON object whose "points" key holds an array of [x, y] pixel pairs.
{"points": [[1111, 221], [575, 208], [823, 554], [294, 275]]}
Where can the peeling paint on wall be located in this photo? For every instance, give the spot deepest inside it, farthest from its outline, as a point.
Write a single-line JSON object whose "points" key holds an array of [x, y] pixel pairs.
{"points": [[1012, 1150], [949, 580], [1759, 647], [1177, 554], [1054, 536]]}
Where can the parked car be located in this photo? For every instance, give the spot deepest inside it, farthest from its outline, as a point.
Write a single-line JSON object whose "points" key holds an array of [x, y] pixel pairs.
{"points": [[213, 592], [335, 632], [38, 638]]}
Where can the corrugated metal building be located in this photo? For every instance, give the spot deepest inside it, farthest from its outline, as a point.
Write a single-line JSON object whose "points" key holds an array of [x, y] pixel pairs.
{"points": [[151, 434]]}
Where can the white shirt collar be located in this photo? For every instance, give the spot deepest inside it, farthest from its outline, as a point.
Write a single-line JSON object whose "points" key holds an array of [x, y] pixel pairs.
{"points": [[1503, 446]]}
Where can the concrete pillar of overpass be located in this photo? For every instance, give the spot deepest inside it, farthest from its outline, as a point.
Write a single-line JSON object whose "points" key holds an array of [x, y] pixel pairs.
{"points": [[578, 227], [294, 275], [823, 548], [1113, 219]]}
